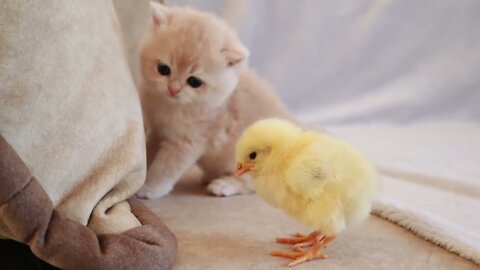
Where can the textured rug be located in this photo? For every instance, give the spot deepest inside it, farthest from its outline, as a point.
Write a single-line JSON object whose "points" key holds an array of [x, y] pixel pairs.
{"points": [[430, 180]]}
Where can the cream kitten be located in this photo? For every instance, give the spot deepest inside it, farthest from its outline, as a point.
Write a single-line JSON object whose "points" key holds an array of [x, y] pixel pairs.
{"points": [[198, 95]]}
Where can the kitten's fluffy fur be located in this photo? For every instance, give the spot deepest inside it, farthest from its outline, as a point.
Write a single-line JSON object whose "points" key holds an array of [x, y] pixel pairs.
{"points": [[188, 125]]}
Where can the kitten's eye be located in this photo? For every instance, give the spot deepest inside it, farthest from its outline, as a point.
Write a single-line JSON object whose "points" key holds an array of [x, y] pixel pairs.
{"points": [[163, 69], [194, 82], [252, 155]]}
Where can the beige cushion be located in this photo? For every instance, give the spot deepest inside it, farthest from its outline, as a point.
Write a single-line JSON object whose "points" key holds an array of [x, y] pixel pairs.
{"points": [[69, 107], [27, 216]]}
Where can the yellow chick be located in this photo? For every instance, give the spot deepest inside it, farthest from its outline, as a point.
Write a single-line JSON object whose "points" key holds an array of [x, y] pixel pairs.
{"points": [[320, 180]]}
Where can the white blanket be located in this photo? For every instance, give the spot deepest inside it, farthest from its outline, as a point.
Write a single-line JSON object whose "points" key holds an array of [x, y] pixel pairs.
{"points": [[429, 175]]}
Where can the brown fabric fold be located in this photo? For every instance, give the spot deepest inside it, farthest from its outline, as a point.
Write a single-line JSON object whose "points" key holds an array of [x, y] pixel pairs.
{"points": [[27, 216]]}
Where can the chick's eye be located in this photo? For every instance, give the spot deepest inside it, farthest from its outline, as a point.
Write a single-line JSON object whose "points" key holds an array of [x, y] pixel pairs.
{"points": [[163, 69], [194, 82], [252, 155]]}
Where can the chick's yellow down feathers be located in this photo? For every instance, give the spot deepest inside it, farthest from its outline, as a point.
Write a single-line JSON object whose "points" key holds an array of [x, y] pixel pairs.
{"points": [[321, 181]]}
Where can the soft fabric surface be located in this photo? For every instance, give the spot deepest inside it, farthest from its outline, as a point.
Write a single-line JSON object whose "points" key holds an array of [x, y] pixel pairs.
{"points": [[133, 16], [27, 215], [239, 232], [429, 179], [69, 107], [74, 148]]}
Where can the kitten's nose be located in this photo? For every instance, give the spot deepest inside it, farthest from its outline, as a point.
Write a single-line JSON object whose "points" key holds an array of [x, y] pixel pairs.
{"points": [[174, 88]]}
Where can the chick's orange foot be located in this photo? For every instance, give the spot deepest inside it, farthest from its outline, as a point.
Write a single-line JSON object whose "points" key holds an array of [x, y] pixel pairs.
{"points": [[316, 241], [313, 253], [301, 240]]}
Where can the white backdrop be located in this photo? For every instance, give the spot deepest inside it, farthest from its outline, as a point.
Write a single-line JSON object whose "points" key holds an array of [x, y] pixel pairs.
{"points": [[350, 61]]}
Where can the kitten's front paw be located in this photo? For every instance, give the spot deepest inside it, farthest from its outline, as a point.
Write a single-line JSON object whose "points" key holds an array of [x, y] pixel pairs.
{"points": [[149, 193], [227, 186]]}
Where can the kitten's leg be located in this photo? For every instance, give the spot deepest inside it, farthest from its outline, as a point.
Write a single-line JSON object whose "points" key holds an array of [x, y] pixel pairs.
{"points": [[169, 164], [229, 185]]}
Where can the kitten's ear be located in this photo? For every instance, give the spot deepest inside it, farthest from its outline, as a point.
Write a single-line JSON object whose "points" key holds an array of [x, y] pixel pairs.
{"points": [[159, 13], [235, 55]]}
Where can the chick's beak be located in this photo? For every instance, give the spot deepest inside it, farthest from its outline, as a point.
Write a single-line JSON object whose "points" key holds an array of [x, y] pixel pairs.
{"points": [[241, 169]]}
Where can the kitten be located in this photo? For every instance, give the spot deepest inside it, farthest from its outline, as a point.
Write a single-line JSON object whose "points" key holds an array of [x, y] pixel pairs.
{"points": [[197, 95]]}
